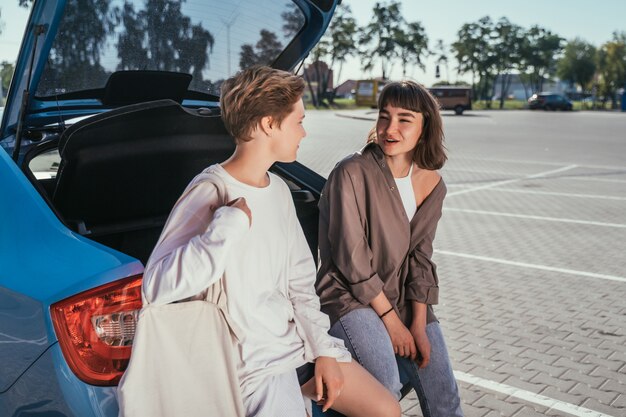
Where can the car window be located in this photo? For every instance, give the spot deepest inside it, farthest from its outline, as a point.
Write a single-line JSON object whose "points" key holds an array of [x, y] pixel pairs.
{"points": [[45, 165], [166, 36]]}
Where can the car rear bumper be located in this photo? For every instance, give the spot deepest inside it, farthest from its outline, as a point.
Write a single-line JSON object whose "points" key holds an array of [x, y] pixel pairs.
{"points": [[50, 388]]}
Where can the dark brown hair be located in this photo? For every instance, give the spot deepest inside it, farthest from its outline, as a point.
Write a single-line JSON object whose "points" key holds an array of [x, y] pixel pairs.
{"points": [[257, 92], [430, 152]]}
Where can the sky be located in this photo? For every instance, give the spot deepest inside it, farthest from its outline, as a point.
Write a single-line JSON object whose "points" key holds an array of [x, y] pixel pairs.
{"points": [[593, 21]]}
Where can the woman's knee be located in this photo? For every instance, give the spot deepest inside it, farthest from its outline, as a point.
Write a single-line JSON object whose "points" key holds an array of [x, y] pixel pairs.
{"points": [[389, 408]]}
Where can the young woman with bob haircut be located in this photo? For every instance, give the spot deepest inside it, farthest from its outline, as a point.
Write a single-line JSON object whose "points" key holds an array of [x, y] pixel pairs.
{"points": [[256, 244], [378, 217]]}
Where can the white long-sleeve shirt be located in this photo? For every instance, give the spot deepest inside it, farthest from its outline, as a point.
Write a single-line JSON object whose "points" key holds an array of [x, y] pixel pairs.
{"points": [[268, 271]]}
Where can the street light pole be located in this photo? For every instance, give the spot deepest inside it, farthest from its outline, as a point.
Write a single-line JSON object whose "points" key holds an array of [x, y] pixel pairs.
{"points": [[228, 25]]}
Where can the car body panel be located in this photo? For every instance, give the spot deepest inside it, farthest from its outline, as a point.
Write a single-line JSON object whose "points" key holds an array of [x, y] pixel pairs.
{"points": [[43, 262], [64, 396], [37, 247]]}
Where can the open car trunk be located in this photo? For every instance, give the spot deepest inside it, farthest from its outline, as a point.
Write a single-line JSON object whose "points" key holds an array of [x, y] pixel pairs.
{"points": [[119, 173]]}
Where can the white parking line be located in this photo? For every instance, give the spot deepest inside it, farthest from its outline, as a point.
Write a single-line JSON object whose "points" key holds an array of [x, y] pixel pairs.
{"points": [[533, 266], [498, 183], [598, 196], [527, 216], [581, 178], [521, 161], [476, 171], [528, 396]]}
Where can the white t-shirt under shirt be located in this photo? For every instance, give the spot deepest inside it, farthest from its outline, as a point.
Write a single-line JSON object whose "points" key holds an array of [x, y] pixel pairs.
{"points": [[268, 272], [405, 188]]}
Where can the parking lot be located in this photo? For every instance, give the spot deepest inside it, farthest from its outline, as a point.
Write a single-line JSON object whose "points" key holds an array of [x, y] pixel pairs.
{"points": [[531, 256]]}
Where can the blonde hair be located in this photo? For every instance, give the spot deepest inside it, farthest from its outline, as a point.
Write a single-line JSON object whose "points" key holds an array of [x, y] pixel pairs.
{"points": [[255, 93]]}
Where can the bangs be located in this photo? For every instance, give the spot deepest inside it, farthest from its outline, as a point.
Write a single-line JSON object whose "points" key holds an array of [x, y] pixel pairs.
{"points": [[401, 94]]}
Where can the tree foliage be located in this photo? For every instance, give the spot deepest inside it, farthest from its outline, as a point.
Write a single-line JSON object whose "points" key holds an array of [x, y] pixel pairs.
{"points": [[506, 45], [578, 64], [540, 47], [293, 20], [342, 34], [473, 54], [412, 44], [6, 72], [337, 44], [611, 61], [378, 37], [74, 59], [157, 37], [161, 37], [264, 52]]}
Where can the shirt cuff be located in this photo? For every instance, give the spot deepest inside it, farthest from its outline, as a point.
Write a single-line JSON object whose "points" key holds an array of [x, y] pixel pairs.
{"points": [[366, 291], [422, 294], [336, 349]]}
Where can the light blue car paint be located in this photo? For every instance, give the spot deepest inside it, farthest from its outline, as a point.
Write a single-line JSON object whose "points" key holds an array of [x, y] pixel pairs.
{"points": [[41, 260]]}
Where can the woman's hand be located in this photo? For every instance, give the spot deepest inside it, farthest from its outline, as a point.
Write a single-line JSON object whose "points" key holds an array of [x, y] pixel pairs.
{"points": [[328, 381], [423, 345], [401, 338], [418, 330]]}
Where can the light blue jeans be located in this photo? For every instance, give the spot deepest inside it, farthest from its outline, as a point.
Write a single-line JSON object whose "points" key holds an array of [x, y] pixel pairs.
{"points": [[368, 341]]}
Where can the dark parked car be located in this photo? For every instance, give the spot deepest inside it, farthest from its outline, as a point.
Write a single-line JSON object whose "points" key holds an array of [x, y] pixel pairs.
{"points": [[113, 109], [549, 101]]}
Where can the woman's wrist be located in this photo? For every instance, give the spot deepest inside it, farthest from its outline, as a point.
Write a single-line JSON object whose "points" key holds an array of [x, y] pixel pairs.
{"points": [[391, 318], [419, 316], [386, 312]]}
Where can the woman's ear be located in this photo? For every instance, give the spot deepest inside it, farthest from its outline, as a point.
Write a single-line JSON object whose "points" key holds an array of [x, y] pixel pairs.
{"points": [[267, 125]]}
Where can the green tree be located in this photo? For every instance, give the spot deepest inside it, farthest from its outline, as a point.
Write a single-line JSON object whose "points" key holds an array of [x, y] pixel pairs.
{"points": [[412, 45], [336, 45], [611, 63], [539, 51], [578, 64], [293, 20], [321, 71], [473, 54], [266, 50], [506, 46], [130, 43], [161, 37], [378, 37], [342, 32], [6, 72], [74, 59]]}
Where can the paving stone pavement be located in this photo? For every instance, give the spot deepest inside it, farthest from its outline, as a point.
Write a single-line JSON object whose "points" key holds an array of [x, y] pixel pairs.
{"points": [[530, 258]]}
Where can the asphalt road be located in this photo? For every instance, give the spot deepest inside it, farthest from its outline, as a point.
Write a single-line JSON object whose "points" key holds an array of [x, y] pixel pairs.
{"points": [[531, 252]]}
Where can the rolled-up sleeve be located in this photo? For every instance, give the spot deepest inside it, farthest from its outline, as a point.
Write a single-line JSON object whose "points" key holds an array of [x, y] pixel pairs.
{"points": [[349, 247], [422, 282]]}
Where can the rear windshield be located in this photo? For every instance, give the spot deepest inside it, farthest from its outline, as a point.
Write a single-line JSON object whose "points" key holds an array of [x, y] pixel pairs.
{"points": [[209, 39]]}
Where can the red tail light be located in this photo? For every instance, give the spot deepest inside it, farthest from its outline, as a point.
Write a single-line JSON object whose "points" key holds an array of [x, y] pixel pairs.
{"points": [[96, 329]]}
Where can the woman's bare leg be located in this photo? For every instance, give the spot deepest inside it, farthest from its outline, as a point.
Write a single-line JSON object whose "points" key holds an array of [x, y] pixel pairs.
{"points": [[361, 395]]}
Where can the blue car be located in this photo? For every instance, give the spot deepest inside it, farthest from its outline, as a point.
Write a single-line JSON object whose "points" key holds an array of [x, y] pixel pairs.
{"points": [[112, 110]]}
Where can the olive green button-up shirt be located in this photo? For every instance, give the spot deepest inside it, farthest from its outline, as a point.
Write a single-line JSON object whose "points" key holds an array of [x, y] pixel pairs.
{"points": [[368, 245]]}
